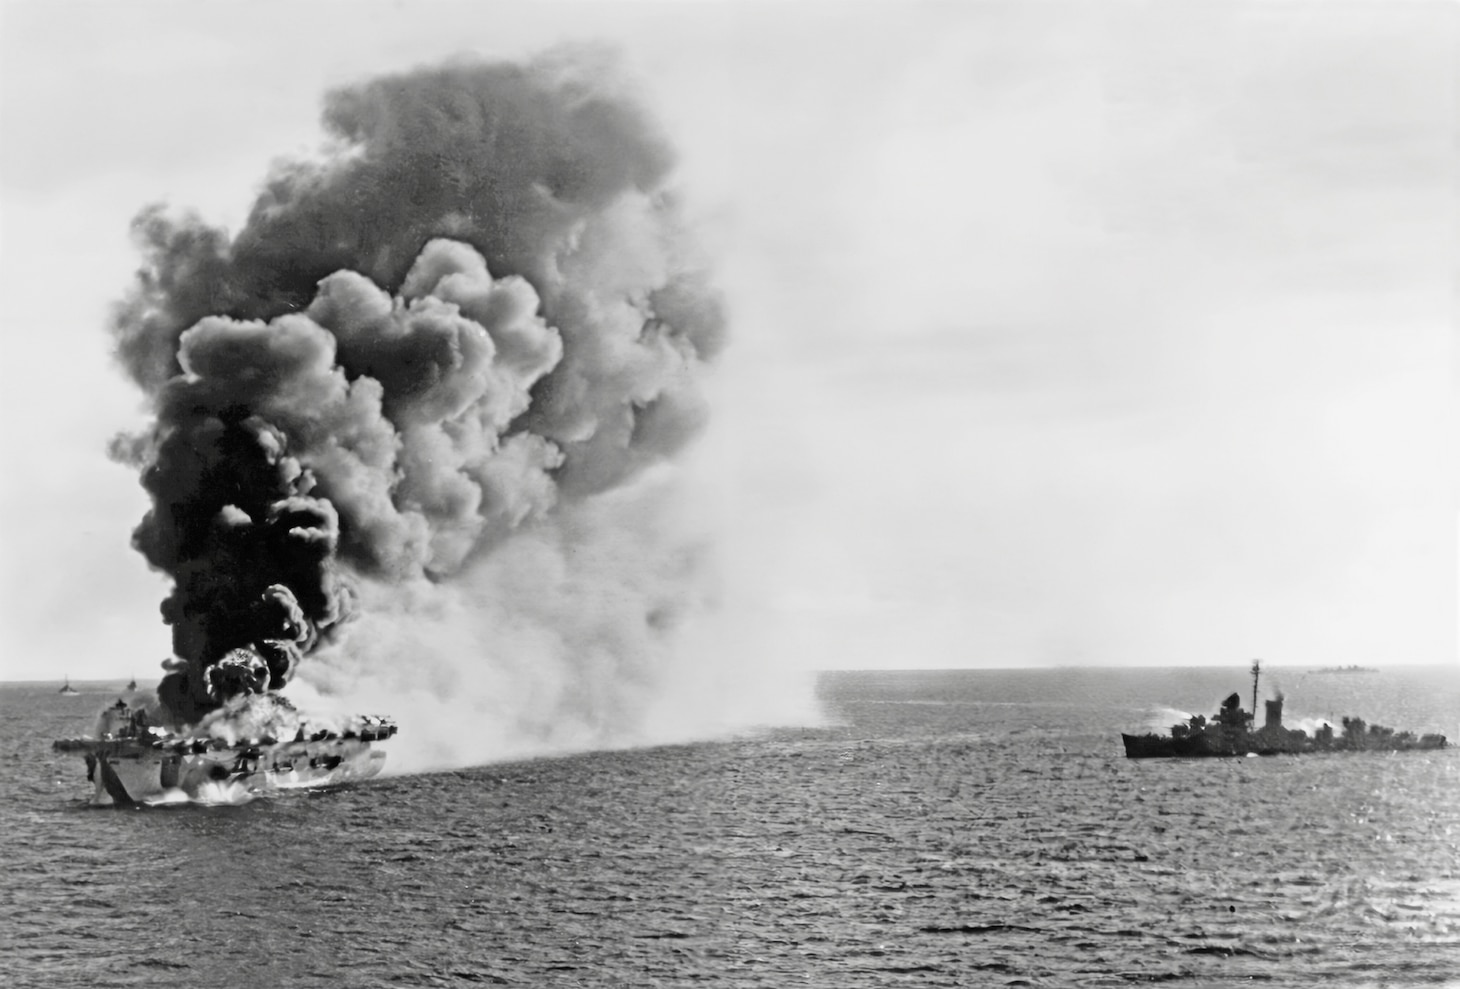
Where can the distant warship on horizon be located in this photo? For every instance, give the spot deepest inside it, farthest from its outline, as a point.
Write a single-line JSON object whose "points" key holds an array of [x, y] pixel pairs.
{"points": [[1230, 733]]}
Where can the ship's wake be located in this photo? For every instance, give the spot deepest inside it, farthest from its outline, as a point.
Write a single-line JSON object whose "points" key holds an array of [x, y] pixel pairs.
{"points": [[1163, 718]]}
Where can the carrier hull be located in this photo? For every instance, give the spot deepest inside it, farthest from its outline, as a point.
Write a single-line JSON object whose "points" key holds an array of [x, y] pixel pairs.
{"points": [[156, 767]]}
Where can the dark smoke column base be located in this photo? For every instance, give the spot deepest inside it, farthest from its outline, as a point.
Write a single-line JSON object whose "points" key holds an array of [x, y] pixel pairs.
{"points": [[155, 766]]}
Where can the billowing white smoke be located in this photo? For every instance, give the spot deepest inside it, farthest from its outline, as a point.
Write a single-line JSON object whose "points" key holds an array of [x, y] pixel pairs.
{"points": [[416, 424], [577, 634]]}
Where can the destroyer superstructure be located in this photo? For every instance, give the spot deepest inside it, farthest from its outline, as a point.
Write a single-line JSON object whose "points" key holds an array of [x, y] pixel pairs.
{"points": [[1231, 733]]}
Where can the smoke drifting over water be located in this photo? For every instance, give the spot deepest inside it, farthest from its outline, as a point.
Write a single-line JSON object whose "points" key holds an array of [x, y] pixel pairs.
{"points": [[410, 419]]}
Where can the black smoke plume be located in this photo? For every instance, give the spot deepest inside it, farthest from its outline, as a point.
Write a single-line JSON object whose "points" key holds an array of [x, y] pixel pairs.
{"points": [[475, 311]]}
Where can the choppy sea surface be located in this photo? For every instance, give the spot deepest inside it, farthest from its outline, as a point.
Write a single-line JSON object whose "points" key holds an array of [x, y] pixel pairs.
{"points": [[952, 828]]}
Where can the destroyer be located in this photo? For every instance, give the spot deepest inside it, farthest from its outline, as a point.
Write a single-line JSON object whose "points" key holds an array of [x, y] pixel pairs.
{"points": [[132, 761], [1231, 733]]}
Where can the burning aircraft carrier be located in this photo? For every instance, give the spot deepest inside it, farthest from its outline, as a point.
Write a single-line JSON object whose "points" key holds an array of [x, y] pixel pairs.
{"points": [[469, 324], [233, 754]]}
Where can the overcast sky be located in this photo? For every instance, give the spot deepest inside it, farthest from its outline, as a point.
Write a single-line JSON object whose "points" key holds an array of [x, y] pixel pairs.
{"points": [[1086, 334]]}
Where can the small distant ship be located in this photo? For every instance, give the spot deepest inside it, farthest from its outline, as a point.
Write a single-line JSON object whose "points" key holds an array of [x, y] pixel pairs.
{"points": [[1231, 733], [1345, 669], [132, 762], [67, 689]]}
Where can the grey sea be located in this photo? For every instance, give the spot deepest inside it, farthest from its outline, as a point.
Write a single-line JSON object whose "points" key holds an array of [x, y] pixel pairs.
{"points": [[959, 828]]}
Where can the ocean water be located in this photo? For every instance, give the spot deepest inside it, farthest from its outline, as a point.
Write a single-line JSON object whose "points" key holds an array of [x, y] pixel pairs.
{"points": [[961, 828]]}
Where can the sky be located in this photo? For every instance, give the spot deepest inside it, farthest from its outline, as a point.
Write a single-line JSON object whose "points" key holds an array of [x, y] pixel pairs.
{"points": [[1062, 334]]}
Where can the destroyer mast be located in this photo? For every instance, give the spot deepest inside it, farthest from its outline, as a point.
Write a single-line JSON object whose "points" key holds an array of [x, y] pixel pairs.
{"points": [[1256, 670]]}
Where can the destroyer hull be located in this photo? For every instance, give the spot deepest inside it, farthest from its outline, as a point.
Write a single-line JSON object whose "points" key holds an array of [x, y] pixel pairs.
{"points": [[1233, 732], [1205, 746]]}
